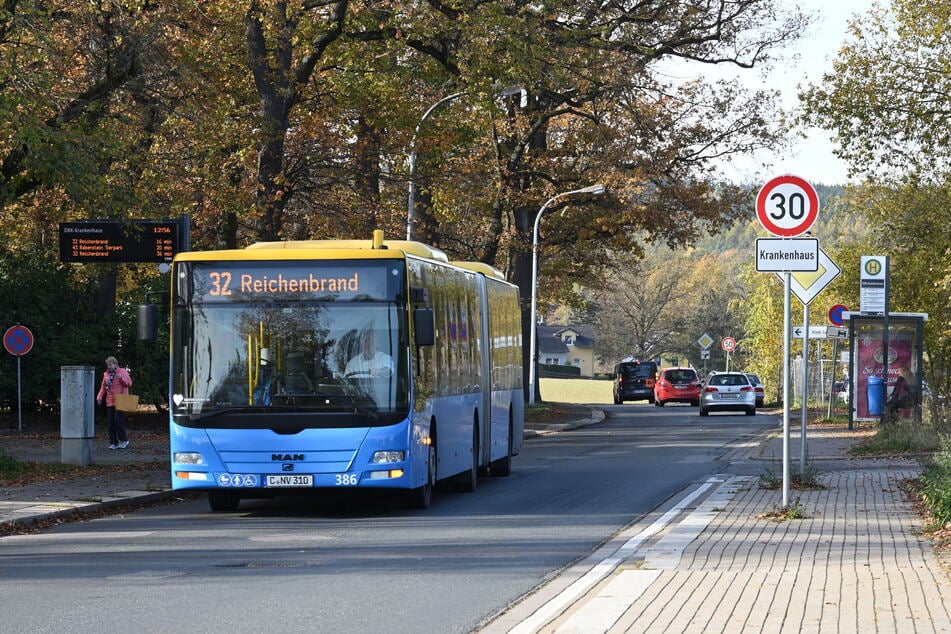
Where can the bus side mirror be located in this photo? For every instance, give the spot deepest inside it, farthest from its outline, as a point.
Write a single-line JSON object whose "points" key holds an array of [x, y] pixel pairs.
{"points": [[146, 316], [146, 326], [425, 326]]}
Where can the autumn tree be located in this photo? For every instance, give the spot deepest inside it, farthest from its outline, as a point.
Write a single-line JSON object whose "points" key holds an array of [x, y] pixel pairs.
{"points": [[267, 119], [886, 98], [662, 304], [887, 103]]}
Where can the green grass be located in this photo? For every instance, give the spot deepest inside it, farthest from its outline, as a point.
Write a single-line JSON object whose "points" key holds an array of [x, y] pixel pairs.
{"points": [[792, 511], [15, 472], [935, 488], [10, 467], [905, 437], [584, 391], [808, 478]]}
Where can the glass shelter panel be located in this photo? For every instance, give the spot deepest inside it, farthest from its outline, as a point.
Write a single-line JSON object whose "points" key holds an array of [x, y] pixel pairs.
{"points": [[869, 359]]}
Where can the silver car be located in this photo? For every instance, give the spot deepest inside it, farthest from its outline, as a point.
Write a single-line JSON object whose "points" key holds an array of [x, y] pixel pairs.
{"points": [[728, 391]]}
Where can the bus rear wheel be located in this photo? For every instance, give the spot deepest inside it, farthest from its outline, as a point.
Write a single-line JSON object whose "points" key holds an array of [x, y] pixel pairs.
{"points": [[223, 501], [468, 479], [502, 468]]}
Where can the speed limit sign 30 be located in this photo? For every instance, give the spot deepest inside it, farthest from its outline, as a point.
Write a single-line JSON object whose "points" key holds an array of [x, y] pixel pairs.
{"points": [[787, 206]]}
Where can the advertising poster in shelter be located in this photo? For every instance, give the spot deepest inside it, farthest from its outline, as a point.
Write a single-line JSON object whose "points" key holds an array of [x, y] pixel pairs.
{"points": [[869, 361]]}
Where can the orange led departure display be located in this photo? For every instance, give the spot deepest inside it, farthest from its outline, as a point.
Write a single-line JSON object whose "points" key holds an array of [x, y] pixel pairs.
{"points": [[119, 241]]}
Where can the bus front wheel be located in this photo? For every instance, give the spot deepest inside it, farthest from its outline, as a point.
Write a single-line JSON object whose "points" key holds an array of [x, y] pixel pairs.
{"points": [[422, 497], [223, 500]]}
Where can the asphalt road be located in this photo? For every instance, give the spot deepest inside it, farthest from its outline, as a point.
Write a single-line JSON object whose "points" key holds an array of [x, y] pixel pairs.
{"points": [[366, 564]]}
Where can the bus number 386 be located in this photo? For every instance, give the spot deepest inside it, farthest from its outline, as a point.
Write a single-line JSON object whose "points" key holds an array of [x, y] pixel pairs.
{"points": [[346, 480]]}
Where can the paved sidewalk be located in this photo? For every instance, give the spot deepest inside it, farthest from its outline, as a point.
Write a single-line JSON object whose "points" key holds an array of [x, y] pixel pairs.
{"points": [[116, 478], [708, 561]]}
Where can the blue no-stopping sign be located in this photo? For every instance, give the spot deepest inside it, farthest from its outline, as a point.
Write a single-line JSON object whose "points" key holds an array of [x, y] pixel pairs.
{"points": [[18, 340], [835, 314]]}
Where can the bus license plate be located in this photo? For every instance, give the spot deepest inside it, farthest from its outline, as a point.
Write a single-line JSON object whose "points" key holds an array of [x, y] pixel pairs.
{"points": [[295, 480]]}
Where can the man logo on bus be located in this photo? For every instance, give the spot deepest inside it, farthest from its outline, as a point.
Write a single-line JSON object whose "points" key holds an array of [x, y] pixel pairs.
{"points": [[282, 457]]}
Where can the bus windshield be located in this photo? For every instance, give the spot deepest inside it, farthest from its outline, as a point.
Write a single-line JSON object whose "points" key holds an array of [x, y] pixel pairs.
{"points": [[288, 347]]}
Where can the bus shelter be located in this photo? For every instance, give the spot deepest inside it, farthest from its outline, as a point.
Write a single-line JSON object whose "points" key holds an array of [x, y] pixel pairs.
{"points": [[870, 365]]}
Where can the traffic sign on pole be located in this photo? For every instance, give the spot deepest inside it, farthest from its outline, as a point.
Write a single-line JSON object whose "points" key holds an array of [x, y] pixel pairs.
{"points": [[18, 340], [820, 332], [728, 344], [781, 254], [805, 285], [835, 314], [787, 206]]}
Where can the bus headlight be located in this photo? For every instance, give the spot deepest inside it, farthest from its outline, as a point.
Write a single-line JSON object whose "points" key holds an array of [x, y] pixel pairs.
{"points": [[382, 457], [187, 457]]}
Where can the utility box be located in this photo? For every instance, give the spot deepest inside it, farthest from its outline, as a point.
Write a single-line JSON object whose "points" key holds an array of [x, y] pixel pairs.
{"points": [[77, 413]]}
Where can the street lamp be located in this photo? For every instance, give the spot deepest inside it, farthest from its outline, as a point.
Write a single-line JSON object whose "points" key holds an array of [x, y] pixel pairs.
{"points": [[411, 199], [592, 189]]}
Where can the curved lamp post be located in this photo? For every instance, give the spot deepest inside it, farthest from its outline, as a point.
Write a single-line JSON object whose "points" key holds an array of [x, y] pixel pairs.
{"points": [[411, 199], [593, 189]]}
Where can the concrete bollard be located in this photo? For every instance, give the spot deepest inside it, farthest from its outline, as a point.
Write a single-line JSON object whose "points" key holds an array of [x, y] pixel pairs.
{"points": [[77, 413]]}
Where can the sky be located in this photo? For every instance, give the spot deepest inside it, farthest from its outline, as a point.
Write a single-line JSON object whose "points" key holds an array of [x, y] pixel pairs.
{"points": [[810, 158]]}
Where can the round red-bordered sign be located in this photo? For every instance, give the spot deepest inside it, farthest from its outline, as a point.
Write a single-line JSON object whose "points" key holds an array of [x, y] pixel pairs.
{"points": [[18, 340], [787, 206], [835, 314], [728, 344]]}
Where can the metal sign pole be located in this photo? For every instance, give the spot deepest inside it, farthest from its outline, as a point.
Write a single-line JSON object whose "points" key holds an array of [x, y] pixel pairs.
{"points": [[832, 393], [805, 389], [19, 400], [786, 328], [885, 344]]}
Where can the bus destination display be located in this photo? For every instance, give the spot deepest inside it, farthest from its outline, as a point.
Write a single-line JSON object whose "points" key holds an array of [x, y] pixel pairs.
{"points": [[292, 281], [117, 241]]}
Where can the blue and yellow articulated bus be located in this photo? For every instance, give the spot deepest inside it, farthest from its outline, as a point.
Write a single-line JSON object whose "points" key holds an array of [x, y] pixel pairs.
{"points": [[266, 394]]}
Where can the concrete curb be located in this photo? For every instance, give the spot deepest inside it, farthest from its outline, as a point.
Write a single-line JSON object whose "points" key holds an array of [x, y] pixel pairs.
{"points": [[596, 417], [27, 514]]}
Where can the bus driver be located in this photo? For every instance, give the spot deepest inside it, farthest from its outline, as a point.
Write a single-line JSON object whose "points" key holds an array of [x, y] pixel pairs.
{"points": [[369, 362]]}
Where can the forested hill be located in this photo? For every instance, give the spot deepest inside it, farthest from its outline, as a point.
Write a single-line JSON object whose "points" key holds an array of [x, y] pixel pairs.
{"points": [[836, 223]]}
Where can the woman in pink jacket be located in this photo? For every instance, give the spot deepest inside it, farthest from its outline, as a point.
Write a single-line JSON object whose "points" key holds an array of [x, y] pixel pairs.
{"points": [[116, 380]]}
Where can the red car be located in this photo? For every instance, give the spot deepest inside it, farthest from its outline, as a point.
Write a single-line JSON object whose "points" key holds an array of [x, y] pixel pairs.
{"points": [[677, 385]]}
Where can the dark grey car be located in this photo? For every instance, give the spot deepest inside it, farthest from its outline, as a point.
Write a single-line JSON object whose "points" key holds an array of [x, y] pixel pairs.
{"points": [[634, 381]]}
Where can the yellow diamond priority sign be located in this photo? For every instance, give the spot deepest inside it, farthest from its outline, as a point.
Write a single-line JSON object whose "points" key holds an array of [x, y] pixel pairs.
{"points": [[807, 285]]}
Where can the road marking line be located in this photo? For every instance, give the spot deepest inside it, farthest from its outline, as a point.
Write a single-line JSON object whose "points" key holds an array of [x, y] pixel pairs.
{"points": [[614, 600], [598, 616], [572, 593]]}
